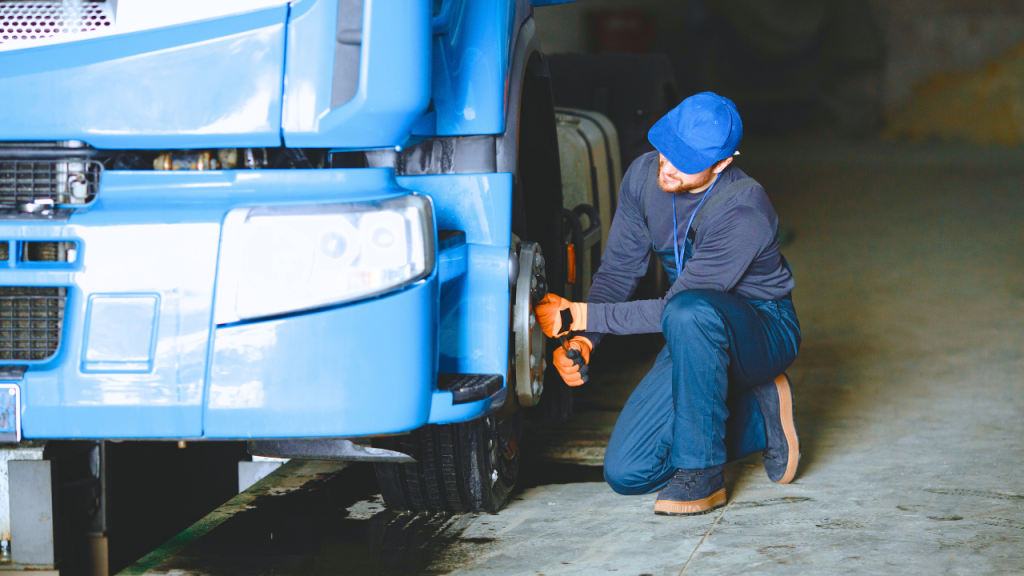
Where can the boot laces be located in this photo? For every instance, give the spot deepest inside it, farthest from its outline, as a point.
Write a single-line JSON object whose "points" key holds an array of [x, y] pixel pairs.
{"points": [[688, 478]]}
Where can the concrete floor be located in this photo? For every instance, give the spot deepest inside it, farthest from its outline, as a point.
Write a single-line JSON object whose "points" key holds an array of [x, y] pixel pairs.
{"points": [[910, 405]]}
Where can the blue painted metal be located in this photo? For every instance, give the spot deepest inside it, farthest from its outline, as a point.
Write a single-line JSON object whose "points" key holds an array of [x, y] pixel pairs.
{"points": [[218, 83], [475, 316], [452, 264], [120, 333], [478, 204], [470, 68], [474, 309], [394, 75], [152, 233], [367, 368], [141, 357], [205, 84]]}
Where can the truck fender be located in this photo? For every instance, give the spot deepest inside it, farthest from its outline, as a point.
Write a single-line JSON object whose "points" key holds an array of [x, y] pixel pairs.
{"points": [[527, 43]]}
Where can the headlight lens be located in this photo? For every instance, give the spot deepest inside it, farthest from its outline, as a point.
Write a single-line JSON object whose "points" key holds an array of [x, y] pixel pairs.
{"points": [[275, 260]]}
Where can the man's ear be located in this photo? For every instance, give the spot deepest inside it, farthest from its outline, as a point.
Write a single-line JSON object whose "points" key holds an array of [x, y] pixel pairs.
{"points": [[722, 164]]}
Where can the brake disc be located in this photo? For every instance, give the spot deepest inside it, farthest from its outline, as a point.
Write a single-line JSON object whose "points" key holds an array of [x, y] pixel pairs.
{"points": [[529, 339]]}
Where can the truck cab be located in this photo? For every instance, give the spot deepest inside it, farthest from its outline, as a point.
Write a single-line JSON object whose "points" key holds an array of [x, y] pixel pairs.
{"points": [[300, 224]]}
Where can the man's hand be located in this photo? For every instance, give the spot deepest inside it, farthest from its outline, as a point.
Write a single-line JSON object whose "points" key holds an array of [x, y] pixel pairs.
{"points": [[558, 316], [572, 365]]}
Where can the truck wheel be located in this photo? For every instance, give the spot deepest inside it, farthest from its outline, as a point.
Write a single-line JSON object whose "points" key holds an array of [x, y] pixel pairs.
{"points": [[539, 194], [466, 467]]}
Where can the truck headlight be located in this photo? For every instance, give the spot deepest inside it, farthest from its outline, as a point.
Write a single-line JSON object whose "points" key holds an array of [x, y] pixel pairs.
{"points": [[275, 260]]}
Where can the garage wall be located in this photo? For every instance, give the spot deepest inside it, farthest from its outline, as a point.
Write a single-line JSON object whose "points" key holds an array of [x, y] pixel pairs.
{"points": [[561, 27], [921, 37]]}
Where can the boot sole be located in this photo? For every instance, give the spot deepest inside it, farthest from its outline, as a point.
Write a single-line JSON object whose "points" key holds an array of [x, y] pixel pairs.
{"points": [[692, 508], [786, 413]]}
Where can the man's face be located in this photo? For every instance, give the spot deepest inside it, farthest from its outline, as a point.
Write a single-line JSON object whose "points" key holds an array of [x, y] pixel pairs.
{"points": [[675, 182]]}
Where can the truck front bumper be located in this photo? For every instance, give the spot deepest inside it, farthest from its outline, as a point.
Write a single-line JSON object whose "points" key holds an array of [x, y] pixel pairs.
{"points": [[141, 356], [367, 368]]}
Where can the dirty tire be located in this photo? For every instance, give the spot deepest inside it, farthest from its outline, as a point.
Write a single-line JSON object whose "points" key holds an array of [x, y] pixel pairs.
{"points": [[466, 467]]}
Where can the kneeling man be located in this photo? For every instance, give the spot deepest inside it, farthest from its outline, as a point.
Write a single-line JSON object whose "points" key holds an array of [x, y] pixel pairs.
{"points": [[717, 391]]}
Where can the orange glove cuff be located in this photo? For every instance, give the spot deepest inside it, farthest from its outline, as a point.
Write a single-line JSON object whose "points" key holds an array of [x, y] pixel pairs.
{"points": [[579, 317], [558, 316]]}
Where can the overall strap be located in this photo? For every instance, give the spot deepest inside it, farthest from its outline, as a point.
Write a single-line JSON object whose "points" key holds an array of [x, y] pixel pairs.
{"points": [[718, 198]]}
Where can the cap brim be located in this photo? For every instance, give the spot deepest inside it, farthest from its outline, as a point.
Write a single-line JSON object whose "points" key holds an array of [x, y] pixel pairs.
{"points": [[683, 157]]}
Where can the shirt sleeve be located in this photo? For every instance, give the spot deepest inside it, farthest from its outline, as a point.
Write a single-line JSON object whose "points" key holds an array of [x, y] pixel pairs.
{"points": [[732, 242]]}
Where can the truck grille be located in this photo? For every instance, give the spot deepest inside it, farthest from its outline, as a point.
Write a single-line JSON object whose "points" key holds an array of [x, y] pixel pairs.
{"points": [[63, 181], [22, 20], [31, 322]]}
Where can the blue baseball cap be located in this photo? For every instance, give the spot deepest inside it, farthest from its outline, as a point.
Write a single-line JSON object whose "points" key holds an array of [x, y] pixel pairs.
{"points": [[702, 130]]}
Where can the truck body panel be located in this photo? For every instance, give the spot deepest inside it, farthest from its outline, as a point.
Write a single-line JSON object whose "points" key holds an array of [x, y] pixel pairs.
{"points": [[394, 75], [475, 308], [338, 372], [470, 68], [206, 84]]}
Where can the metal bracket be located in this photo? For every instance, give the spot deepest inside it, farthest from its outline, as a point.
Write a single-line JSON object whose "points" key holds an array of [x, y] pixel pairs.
{"points": [[32, 513], [585, 242]]}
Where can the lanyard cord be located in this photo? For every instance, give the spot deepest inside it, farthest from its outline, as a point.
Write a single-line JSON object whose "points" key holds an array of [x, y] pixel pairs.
{"points": [[675, 226]]}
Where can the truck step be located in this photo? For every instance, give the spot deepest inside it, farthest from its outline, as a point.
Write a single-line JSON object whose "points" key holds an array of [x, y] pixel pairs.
{"points": [[469, 387]]}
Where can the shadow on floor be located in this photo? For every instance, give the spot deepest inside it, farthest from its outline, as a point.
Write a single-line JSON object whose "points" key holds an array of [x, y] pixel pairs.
{"points": [[536, 473]]}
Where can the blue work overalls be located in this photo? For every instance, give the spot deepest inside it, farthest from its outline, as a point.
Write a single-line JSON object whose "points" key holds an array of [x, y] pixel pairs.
{"points": [[695, 408]]}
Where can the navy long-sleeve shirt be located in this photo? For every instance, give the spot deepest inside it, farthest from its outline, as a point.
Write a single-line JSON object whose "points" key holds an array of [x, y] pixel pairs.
{"points": [[736, 250]]}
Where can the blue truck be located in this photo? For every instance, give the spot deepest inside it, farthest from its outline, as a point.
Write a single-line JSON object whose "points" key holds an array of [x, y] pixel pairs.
{"points": [[301, 224]]}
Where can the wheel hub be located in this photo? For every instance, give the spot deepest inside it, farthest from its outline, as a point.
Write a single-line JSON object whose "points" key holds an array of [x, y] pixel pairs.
{"points": [[529, 339]]}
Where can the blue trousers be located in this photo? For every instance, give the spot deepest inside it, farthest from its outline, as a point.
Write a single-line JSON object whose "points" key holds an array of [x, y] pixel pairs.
{"points": [[695, 408]]}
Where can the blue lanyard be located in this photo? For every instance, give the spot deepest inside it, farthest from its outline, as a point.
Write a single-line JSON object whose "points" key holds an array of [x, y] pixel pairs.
{"points": [[675, 226]]}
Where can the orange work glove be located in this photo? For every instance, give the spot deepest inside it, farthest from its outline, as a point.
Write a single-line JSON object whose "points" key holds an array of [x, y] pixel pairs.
{"points": [[558, 316], [572, 365]]}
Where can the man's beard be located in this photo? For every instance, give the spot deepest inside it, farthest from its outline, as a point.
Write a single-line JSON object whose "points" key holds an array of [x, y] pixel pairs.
{"points": [[673, 186]]}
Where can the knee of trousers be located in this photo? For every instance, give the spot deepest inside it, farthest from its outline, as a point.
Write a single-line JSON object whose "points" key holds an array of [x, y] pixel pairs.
{"points": [[689, 311], [627, 481]]}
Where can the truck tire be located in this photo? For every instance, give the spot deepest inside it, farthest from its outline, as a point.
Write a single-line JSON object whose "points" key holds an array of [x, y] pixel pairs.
{"points": [[465, 467], [538, 192]]}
